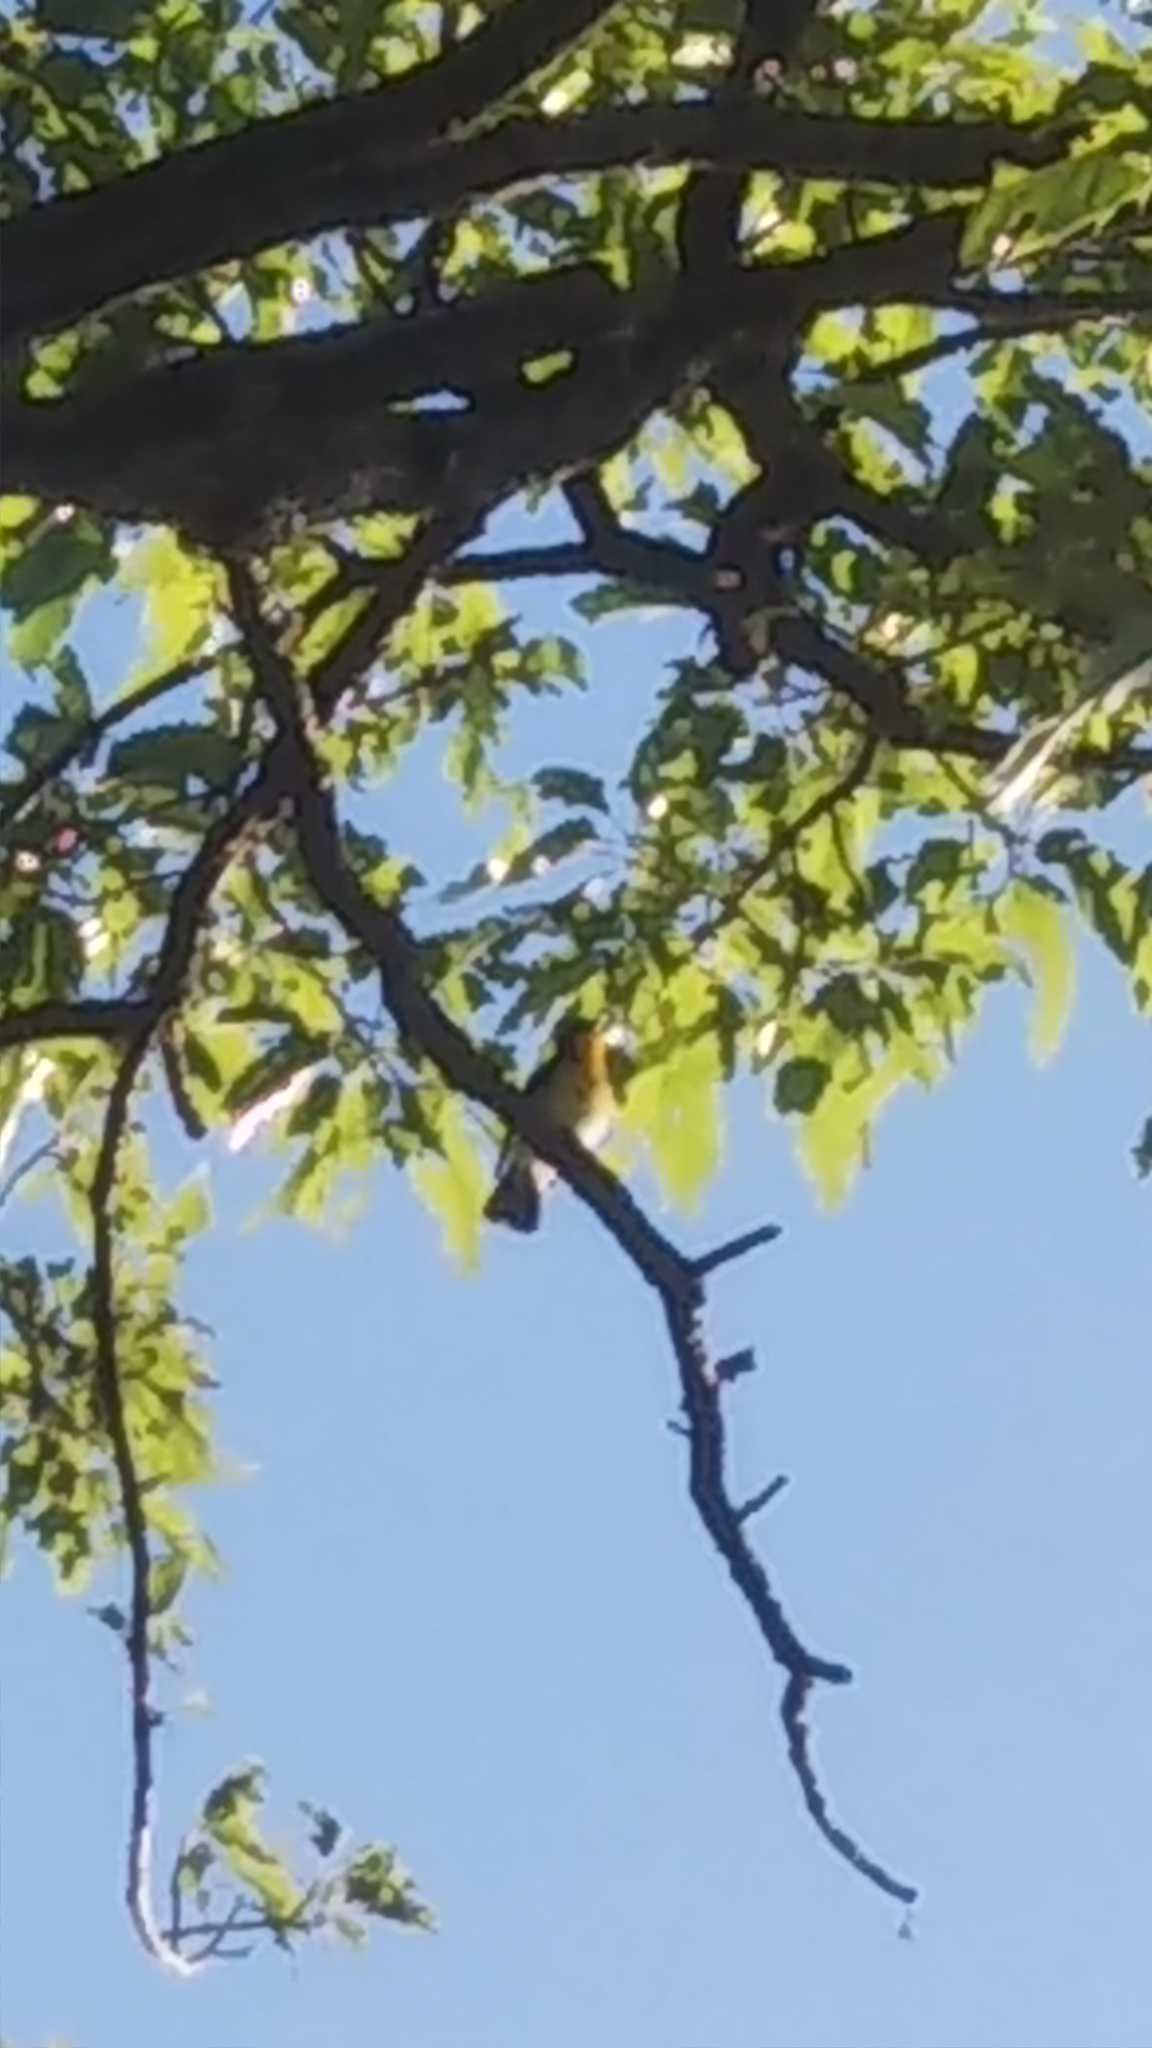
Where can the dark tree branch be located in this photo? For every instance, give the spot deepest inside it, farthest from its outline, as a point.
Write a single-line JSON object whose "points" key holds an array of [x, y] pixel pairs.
{"points": [[191, 1122], [802, 480], [708, 228], [1047, 312], [675, 1278], [563, 558], [269, 182], [248, 435], [241, 444], [877, 689], [664, 565], [335, 166], [91, 1017], [122, 1018]]}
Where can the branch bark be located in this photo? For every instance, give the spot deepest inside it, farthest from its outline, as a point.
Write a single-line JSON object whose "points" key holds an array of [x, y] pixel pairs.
{"points": [[328, 167], [237, 194]]}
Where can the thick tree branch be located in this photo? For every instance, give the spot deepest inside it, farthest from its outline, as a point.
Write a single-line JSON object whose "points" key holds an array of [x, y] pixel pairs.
{"points": [[708, 227], [240, 445], [676, 1279], [85, 1018], [271, 181], [221, 200]]}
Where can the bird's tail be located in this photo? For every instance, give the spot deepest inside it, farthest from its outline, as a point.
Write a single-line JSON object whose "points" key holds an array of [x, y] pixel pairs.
{"points": [[515, 1199]]}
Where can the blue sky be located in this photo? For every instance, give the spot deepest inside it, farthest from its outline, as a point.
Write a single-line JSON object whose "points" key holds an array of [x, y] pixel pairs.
{"points": [[467, 1605]]}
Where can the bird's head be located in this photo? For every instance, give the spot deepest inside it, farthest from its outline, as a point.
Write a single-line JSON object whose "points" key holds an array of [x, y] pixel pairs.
{"points": [[592, 1046], [576, 1036]]}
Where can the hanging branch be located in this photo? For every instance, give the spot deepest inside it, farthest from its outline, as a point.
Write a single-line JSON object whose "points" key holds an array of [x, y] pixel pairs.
{"points": [[677, 1279], [138, 1881]]}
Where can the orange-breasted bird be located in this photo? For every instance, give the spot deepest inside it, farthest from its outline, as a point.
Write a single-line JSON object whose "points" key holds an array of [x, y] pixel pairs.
{"points": [[574, 1089]]}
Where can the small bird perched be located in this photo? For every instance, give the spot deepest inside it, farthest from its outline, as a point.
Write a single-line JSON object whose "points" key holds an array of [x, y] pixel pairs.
{"points": [[573, 1088]]}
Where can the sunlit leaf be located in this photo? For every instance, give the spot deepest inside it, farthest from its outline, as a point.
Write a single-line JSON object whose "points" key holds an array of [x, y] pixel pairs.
{"points": [[1037, 920]]}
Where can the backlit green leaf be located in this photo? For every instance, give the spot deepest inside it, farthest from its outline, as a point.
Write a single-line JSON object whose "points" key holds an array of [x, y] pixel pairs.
{"points": [[1038, 922]]}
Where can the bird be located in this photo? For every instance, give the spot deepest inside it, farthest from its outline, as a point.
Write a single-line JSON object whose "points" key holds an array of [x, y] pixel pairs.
{"points": [[574, 1089]]}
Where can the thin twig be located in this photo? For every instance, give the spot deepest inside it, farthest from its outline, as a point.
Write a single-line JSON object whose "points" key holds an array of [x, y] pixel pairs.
{"points": [[757, 1501], [230, 1924], [736, 1248], [784, 840], [938, 351], [792, 1711], [46, 1151], [93, 730]]}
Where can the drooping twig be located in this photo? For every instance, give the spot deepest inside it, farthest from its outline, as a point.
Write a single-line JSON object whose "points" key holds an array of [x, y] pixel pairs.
{"points": [[138, 1882], [8, 1187], [792, 1712], [89, 735], [676, 1278]]}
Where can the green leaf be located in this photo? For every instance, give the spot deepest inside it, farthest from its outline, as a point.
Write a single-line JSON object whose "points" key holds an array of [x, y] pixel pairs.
{"points": [[108, 20], [377, 1884], [41, 956], [190, 1210], [675, 1107], [56, 565], [326, 1829], [455, 1187], [35, 734], [938, 861], [619, 596], [570, 786], [230, 1821], [180, 601], [1036, 919], [165, 1580], [844, 1001], [550, 848], [176, 755], [291, 1052], [1078, 196], [834, 1142], [799, 1085]]}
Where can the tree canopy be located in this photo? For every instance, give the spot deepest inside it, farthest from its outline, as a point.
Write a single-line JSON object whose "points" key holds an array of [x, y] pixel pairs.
{"points": [[825, 329]]}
